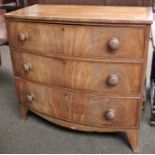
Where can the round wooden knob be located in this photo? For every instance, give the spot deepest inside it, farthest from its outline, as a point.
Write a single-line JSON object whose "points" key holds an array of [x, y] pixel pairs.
{"points": [[30, 97], [27, 67], [114, 44], [113, 80], [110, 114], [23, 36]]}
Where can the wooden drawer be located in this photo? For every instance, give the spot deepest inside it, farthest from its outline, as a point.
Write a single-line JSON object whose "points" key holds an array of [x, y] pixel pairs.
{"points": [[106, 77], [99, 111], [81, 41]]}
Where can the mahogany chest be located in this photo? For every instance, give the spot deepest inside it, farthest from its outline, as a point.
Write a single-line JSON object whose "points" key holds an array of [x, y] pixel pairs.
{"points": [[81, 67]]}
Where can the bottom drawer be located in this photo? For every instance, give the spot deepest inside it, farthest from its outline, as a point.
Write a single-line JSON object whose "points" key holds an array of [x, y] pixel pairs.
{"points": [[79, 108]]}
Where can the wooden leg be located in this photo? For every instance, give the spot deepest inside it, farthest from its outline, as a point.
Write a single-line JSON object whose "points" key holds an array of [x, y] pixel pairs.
{"points": [[144, 100], [23, 112], [133, 139]]}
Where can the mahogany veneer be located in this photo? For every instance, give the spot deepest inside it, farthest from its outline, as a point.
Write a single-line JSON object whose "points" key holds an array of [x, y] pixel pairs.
{"points": [[96, 2], [83, 41], [81, 67]]}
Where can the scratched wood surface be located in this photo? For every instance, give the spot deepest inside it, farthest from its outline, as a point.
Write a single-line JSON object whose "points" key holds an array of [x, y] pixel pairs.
{"points": [[79, 68], [81, 41], [63, 105], [76, 13], [96, 2], [79, 75]]}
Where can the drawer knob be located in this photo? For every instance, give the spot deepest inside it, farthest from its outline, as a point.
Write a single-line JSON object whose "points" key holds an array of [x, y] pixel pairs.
{"points": [[30, 97], [110, 114], [27, 67], [113, 80], [114, 44], [23, 36]]}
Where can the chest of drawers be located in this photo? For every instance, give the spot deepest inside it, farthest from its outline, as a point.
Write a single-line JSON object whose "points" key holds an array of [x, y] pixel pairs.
{"points": [[81, 67]]}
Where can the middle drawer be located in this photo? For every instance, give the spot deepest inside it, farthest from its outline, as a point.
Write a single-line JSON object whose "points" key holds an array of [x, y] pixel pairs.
{"points": [[104, 77]]}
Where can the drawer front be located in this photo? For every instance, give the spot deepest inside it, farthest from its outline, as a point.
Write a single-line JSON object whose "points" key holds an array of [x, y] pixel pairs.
{"points": [[82, 41], [88, 76], [78, 108]]}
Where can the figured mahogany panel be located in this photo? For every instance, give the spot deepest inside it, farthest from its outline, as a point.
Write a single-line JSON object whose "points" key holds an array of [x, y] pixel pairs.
{"points": [[78, 108], [79, 75], [87, 2], [31, 2], [2, 2], [82, 41], [128, 2], [54, 1], [100, 2], [76, 2], [82, 67]]}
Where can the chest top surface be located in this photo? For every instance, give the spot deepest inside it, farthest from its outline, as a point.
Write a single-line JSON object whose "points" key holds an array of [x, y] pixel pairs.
{"points": [[80, 14]]}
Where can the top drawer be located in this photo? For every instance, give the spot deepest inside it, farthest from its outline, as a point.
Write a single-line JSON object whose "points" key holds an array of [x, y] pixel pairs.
{"points": [[80, 41]]}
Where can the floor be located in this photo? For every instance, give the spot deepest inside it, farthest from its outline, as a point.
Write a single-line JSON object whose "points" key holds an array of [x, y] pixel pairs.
{"points": [[39, 136]]}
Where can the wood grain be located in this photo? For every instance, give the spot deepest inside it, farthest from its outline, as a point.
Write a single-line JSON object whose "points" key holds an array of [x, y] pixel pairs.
{"points": [[23, 112], [78, 108], [133, 138], [132, 134], [79, 41], [128, 2], [66, 73], [2, 2], [97, 2], [71, 74], [82, 14]]}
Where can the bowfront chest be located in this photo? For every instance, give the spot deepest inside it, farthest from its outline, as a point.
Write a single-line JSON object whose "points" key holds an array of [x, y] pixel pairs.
{"points": [[81, 67]]}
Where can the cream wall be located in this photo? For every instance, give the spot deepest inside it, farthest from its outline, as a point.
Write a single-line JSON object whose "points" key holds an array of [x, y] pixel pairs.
{"points": [[149, 65]]}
